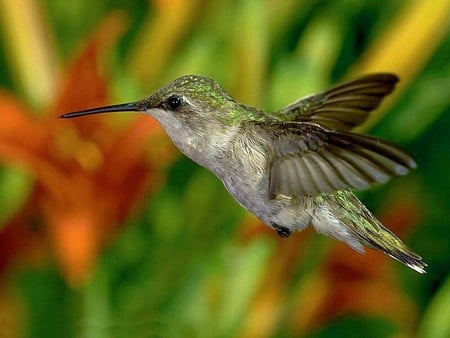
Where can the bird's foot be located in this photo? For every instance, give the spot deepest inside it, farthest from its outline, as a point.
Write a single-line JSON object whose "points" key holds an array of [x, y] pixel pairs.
{"points": [[281, 231]]}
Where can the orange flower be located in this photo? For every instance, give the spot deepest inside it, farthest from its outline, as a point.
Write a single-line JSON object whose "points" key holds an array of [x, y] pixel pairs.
{"points": [[88, 174]]}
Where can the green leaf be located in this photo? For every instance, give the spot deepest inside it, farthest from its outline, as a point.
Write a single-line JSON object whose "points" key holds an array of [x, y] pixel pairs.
{"points": [[15, 187], [435, 322]]}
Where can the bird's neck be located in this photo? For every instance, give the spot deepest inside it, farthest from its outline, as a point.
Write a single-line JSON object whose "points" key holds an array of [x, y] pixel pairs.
{"points": [[205, 142]]}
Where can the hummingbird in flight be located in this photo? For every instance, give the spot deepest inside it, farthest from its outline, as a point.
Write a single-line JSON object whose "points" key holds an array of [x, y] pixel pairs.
{"points": [[291, 168]]}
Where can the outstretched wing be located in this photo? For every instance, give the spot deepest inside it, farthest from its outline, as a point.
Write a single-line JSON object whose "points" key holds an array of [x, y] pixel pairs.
{"points": [[309, 160], [344, 106]]}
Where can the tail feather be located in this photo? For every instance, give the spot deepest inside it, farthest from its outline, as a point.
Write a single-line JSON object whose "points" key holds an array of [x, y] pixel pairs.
{"points": [[349, 220]]}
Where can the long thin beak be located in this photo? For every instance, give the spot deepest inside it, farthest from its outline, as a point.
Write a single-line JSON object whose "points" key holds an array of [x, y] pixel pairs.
{"points": [[107, 109]]}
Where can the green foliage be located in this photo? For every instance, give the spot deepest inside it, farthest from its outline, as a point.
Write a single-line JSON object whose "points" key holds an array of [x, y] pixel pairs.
{"points": [[357, 326], [15, 186]]}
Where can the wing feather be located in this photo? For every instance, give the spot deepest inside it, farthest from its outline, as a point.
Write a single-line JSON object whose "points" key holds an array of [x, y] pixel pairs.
{"points": [[344, 106], [309, 160]]}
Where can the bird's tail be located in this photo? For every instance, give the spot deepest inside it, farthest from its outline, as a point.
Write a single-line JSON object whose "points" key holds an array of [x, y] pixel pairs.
{"points": [[342, 216]]}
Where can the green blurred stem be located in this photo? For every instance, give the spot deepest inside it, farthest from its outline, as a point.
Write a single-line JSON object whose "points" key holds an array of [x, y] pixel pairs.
{"points": [[96, 311], [250, 51], [159, 39]]}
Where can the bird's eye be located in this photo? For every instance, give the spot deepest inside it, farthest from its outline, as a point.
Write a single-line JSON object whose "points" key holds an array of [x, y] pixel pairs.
{"points": [[174, 102]]}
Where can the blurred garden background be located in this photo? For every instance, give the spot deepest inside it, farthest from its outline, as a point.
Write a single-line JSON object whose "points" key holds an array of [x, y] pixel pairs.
{"points": [[107, 231]]}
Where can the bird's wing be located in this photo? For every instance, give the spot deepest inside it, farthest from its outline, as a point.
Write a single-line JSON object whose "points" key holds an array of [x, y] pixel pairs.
{"points": [[344, 106], [309, 160]]}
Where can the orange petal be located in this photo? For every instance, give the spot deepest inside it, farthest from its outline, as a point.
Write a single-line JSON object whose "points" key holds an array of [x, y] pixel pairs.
{"points": [[85, 84], [75, 239]]}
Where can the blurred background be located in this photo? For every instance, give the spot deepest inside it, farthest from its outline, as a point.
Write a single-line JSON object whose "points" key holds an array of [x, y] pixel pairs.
{"points": [[107, 231]]}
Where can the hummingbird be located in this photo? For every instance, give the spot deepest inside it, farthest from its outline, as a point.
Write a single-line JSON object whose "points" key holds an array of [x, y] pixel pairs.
{"points": [[291, 168]]}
